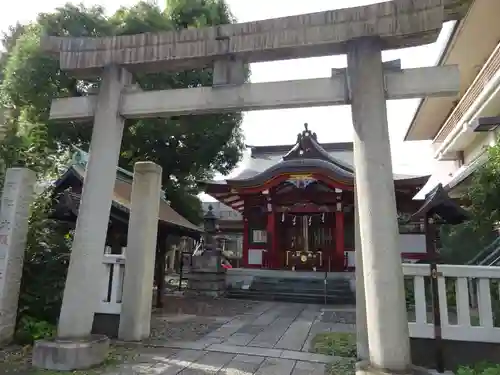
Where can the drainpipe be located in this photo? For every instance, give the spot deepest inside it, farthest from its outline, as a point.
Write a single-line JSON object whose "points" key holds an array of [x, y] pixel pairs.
{"points": [[466, 123]]}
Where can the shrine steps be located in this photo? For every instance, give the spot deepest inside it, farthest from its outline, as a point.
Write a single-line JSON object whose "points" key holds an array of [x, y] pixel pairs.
{"points": [[301, 287]]}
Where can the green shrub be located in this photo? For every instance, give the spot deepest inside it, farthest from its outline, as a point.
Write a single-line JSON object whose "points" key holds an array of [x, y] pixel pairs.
{"points": [[482, 368], [45, 265], [451, 295], [409, 293], [335, 343], [343, 366], [30, 329]]}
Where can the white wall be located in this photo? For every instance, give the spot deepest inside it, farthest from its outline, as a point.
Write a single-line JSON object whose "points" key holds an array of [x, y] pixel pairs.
{"points": [[408, 243], [412, 243], [476, 147]]}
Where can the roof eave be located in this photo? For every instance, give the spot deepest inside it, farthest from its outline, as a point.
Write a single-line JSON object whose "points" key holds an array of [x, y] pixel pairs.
{"points": [[417, 182], [440, 61], [438, 201], [294, 166], [73, 171]]}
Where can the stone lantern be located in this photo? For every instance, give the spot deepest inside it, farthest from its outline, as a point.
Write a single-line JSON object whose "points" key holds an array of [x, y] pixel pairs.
{"points": [[207, 276], [210, 226]]}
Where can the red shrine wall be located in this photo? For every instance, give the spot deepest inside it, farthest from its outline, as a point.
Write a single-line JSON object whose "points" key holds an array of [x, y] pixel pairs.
{"points": [[270, 237], [274, 239]]}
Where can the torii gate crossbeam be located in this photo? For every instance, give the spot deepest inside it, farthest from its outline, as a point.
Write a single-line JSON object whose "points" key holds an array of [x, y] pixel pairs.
{"points": [[399, 84]]}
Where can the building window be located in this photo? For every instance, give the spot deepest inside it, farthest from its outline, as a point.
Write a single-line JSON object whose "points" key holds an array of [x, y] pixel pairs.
{"points": [[259, 236]]}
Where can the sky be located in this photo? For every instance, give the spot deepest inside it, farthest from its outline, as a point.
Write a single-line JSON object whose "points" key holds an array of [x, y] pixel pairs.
{"points": [[271, 127]]}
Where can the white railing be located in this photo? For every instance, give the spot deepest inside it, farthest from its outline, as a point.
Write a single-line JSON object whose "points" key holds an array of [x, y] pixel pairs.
{"points": [[112, 274], [466, 297]]}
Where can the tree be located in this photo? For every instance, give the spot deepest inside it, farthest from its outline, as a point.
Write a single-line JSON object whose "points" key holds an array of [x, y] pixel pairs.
{"points": [[8, 42], [462, 242], [188, 148], [198, 13], [45, 264]]}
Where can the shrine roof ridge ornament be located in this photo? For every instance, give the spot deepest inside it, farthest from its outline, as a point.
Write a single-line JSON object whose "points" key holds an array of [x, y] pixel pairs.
{"points": [[308, 147], [399, 23]]}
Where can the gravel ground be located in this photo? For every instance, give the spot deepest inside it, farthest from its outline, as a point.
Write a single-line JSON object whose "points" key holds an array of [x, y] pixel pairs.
{"points": [[189, 329], [205, 306], [341, 317], [182, 319], [14, 359], [190, 318]]}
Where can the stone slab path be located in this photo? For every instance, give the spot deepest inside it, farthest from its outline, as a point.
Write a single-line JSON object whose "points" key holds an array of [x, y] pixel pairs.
{"points": [[272, 338]]}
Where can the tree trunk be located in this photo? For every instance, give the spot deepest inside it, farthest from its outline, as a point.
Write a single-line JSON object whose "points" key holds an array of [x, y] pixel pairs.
{"points": [[161, 251]]}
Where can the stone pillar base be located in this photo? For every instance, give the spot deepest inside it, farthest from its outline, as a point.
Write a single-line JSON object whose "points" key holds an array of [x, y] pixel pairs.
{"points": [[364, 368], [206, 284], [207, 277], [70, 354]]}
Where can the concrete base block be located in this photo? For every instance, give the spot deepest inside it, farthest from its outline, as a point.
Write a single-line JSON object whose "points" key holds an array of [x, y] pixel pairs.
{"points": [[207, 277], [70, 354], [365, 368]]}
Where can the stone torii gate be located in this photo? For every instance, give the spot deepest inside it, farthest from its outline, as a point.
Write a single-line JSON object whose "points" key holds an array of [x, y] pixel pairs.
{"points": [[361, 33]]}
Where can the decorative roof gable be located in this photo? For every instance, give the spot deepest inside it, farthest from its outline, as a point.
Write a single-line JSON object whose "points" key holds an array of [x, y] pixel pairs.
{"points": [[437, 202], [307, 147]]}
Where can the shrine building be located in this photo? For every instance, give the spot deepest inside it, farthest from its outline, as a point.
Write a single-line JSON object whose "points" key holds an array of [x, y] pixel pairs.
{"points": [[297, 207]]}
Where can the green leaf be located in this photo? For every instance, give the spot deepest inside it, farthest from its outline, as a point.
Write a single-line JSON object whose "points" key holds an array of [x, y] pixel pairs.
{"points": [[189, 148]]}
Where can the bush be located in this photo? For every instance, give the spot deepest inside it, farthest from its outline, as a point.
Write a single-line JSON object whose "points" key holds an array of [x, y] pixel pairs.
{"points": [[482, 368], [31, 329], [45, 265], [342, 366], [339, 344]]}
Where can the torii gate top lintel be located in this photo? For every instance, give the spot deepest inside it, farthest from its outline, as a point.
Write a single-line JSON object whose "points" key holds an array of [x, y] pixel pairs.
{"points": [[398, 23]]}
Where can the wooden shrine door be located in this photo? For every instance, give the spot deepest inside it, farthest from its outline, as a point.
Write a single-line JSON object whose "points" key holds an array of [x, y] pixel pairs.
{"points": [[306, 240]]}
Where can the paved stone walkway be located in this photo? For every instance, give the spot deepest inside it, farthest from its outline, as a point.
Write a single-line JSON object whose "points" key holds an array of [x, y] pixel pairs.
{"points": [[273, 338]]}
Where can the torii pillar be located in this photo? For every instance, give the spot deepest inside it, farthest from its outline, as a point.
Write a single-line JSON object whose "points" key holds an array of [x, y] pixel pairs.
{"points": [[387, 322], [93, 215]]}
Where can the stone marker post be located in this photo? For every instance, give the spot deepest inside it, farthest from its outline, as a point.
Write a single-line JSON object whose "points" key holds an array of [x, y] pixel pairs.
{"points": [[14, 213], [135, 317], [387, 321]]}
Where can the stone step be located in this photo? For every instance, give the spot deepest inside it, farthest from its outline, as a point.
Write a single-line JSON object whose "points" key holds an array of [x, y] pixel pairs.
{"points": [[320, 284], [346, 293], [292, 297], [305, 286], [306, 293], [300, 279], [337, 283], [299, 289]]}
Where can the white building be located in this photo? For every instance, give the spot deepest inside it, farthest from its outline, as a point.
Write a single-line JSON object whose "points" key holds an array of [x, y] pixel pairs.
{"points": [[461, 128]]}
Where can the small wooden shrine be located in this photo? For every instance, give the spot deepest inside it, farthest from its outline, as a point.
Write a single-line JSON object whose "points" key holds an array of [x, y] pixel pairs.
{"points": [[66, 201]]}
